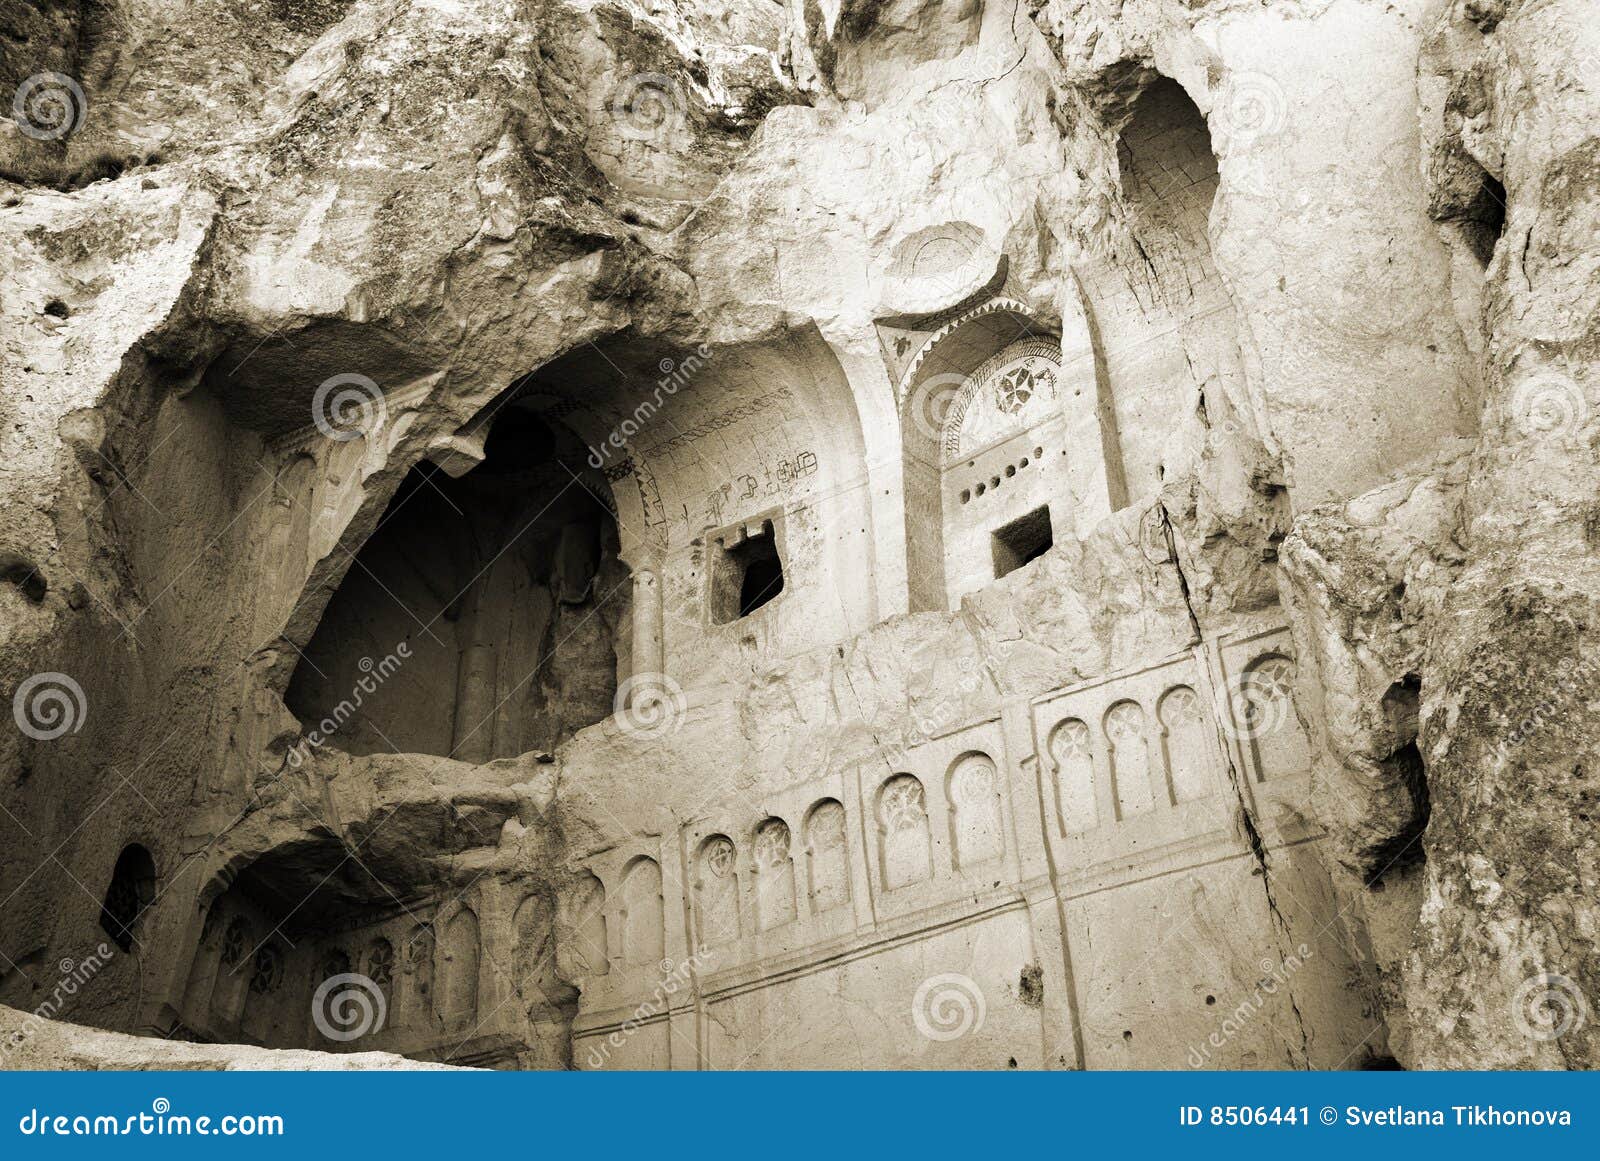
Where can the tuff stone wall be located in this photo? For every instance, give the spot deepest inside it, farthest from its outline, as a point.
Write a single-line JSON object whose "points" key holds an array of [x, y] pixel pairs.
{"points": [[527, 516]]}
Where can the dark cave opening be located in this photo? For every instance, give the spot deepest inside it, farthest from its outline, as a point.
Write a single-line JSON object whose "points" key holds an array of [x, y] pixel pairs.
{"points": [[479, 620], [131, 891], [746, 573], [1405, 768], [1025, 539], [1484, 222]]}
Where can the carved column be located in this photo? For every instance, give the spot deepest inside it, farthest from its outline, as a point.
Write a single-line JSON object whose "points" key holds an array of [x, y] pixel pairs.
{"points": [[648, 643]]}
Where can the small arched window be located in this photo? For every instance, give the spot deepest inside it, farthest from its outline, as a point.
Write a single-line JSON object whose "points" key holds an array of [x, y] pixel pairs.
{"points": [[903, 829], [1264, 707], [975, 817], [380, 964], [828, 854], [717, 890], [267, 974], [775, 900], [335, 962], [132, 890]]}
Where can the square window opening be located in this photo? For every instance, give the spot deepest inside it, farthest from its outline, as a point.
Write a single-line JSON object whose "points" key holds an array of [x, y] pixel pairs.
{"points": [[1025, 538], [745, 576]]}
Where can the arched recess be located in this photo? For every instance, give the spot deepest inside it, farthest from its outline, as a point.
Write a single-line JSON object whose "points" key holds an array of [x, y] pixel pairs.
{"points": [[1071, 746], [904, 838], [284, 922], [984, 453], [535, 975], [716, 891], [131, 891], [581, 947], [723, 459], [460, 950], [1160, 312], [774, 869], [827, 856], [480, 620], [643, 913], [976, 832], [1265, 706]]}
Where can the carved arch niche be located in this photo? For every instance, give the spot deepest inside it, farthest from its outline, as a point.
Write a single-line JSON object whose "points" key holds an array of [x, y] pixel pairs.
{"points": [[716, 890], [775, 897], [1129, 745], [581, 949], [1164, 322], [1184, 744], [827, 856], [1264, 707], [984, 437], [459, 952], [975, 819], [643, 914], [904, 836], [1071, 746], [535, 972]]}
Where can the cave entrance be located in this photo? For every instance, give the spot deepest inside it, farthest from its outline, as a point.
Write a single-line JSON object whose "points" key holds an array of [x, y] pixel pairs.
{"points": [[130, 894], [1160, 309], [480, 619]]}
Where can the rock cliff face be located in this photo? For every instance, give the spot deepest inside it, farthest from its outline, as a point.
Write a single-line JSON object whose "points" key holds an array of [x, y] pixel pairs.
{"points": [[732, 533]]}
